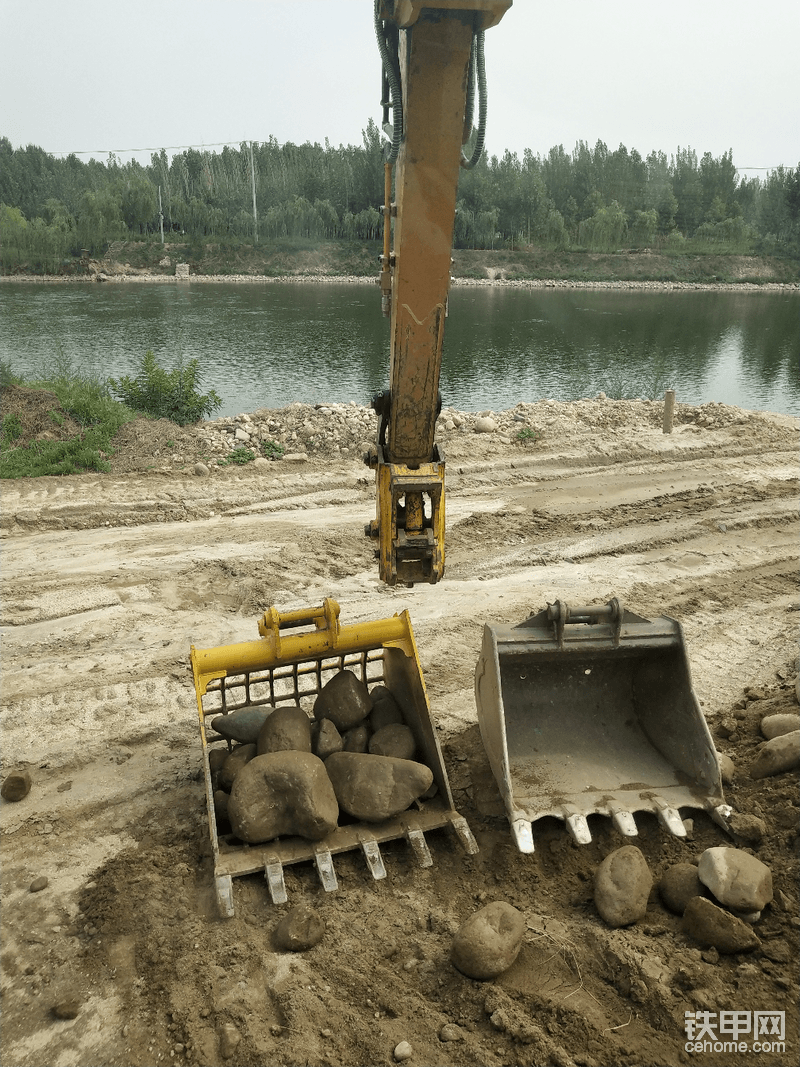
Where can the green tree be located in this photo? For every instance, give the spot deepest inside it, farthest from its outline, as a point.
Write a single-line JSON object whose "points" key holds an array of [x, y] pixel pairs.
{"points": [[13, 224], [688, 191], [139, 202], [666, 209], [100, 219], [643, 228], [605, 230], [718, 180]]}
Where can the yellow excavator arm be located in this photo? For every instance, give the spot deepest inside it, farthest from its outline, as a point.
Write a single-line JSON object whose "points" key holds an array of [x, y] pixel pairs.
{"points": [[432, 58]]}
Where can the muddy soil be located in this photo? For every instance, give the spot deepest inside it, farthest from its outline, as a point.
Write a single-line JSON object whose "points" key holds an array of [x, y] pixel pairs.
{"points": [[108, 579]]}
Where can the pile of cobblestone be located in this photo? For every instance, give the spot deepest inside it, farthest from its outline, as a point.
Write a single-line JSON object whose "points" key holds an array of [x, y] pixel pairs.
{"points": [[334, 429], [301, 431]]}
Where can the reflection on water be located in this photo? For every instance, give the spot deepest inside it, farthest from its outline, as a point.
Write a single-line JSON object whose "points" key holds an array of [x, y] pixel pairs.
{"points": [[270, 345]]}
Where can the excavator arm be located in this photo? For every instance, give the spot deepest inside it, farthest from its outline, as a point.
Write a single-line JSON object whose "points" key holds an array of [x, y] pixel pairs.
{"points": [[428, 48]]}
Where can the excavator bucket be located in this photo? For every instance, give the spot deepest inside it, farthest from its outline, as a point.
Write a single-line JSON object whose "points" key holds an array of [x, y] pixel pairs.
{"points": [[281, 669], [590, 710]]}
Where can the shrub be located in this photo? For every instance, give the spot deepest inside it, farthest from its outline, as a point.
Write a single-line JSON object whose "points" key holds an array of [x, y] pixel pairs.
{"points": [[166, 394]]}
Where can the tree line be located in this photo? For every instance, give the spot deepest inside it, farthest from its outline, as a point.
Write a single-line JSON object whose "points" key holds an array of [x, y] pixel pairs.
{"points": [[591, 198]]}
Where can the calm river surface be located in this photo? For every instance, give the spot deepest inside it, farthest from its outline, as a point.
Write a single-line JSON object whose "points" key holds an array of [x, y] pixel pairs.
{"points": [[268, 345]]}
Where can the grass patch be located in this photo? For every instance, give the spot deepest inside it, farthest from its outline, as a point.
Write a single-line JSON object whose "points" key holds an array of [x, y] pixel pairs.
{"points": [[56, 457], [272, 450], [528, 436], [238, 456], [10, 430]]}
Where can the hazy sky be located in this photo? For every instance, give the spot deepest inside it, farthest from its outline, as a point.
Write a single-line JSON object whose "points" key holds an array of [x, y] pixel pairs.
{"points": [[100, 75]]}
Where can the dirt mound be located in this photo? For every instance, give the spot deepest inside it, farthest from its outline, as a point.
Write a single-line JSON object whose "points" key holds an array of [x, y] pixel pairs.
{"points": [[146, 444], [34, 415]]}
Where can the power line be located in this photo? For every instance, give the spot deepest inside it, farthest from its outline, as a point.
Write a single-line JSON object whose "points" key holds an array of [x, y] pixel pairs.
{"points": [[164, 148], [241, 141]]}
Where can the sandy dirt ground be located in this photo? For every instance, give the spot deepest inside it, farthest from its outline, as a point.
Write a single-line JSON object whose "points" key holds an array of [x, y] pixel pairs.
{"points": [[108, 579]]}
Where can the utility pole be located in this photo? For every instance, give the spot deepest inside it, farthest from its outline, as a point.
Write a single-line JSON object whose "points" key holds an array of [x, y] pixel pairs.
{"points": [[255, 213], [160, 215]]}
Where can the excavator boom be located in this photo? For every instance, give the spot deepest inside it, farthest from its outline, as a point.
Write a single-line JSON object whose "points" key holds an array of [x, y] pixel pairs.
{"points": [[434, 45]]}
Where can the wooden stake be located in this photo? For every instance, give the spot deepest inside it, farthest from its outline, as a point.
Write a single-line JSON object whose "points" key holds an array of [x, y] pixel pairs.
{"points": [[669, 410]]}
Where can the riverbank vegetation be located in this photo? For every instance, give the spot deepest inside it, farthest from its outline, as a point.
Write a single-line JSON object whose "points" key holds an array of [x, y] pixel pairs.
{"points": [[82, 420], [83, 413], [57, 213]]}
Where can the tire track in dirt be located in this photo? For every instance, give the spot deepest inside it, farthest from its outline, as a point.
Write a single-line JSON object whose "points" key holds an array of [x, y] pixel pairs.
{"points": [[98, 702]]}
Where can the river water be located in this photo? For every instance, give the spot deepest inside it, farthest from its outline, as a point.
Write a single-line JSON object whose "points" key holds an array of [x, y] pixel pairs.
{"points": [[267, 345]]}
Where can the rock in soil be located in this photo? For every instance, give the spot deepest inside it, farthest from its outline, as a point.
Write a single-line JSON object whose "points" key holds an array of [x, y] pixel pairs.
{"points": [[283, 793], [737, 879], [451, 1032], [299, 930], [748, 827], [229, 1038], [678, 884], [16, 786], [711, 925], [131, 849], [727, 769], [779, 724], [374, 788], [489, 941], [777, 756], [38, 884], [622, 885], [345, 700]]}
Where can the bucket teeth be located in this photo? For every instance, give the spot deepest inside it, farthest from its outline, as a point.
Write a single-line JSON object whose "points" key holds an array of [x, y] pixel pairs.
{"points": [[578, 827], [670, 818], [464, 834], [224, 888], [325, 870], [624, 822], [273, 872], [720, 814], [372, 854], [416, 839], [523, 835]]}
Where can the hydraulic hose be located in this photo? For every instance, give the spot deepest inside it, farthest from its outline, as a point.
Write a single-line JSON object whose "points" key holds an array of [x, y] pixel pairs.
{"points": [[477, 71], [391, 69]]}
